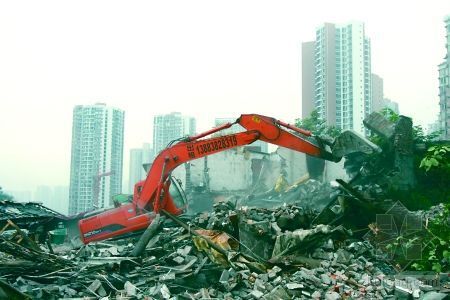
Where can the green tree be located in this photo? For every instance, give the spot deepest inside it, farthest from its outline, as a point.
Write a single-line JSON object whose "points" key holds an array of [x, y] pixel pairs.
{"points": [[317, 125], [437, 157]]}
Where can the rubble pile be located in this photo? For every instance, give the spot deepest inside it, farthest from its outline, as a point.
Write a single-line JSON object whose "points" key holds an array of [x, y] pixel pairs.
{"points": [[28, 215], [266, 254], [432, 213], [309, 194], [321, 262]]}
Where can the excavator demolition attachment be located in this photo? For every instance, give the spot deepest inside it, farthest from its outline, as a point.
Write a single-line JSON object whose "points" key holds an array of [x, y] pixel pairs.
{"points": [[349, 142]]}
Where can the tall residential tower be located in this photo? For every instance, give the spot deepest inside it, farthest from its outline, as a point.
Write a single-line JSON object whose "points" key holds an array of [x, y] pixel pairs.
{"points": [[139, 157], [341, 75], [97, 155], [169, 127], [444, 86], [377, 93]]}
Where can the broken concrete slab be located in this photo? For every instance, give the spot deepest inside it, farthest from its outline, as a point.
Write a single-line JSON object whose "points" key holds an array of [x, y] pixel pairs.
{"points": [[380, 125], [305, 239], [130, 289], [257, 294], [255, 238], [276, 294], [350, 141], [294, 286]]}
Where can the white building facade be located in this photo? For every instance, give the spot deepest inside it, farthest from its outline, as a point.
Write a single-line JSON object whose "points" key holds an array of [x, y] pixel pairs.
{"points": [[342, 75], [97, 156]]}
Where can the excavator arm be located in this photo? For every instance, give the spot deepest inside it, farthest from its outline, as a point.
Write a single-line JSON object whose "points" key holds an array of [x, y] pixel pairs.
{"points": [[152, 195]]}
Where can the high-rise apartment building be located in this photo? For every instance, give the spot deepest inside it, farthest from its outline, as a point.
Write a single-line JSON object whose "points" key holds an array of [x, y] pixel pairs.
{"points": [[342, 75], [97, 156], [444, 86], [169, 127], [379, 102], [377, 93], [139, 157], [325, 74], [136, 169], [308, 70]]}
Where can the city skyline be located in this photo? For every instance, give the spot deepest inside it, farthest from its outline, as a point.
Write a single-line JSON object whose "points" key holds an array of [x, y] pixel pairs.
{"points": [[53, 197], [241, 67]]}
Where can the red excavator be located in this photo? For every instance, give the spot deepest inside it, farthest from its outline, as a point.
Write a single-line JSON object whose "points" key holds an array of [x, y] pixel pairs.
{"points": [[152, 194]]}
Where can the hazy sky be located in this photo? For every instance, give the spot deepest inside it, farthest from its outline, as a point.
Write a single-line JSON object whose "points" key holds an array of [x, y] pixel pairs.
{"points": [[202, 58]]}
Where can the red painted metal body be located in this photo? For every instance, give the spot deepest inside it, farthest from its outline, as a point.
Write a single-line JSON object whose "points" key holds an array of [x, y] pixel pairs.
{"points": [[153, 194]]}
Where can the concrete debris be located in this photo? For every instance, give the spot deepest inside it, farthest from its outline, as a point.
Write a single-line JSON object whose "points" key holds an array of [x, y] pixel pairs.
{"points": [[29, 215], [332, 296], [435, 296], [180, 265], [130, 289], [95, 285], [257, 294], [293, 286], [380, 125], [309, 195], [165, 293], [350, 141]]}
